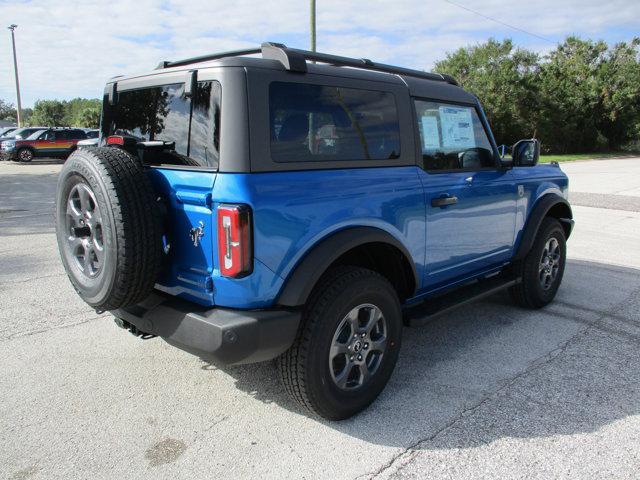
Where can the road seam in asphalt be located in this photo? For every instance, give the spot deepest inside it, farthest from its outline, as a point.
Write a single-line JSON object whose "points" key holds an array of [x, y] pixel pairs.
{"points": [[402, 459], [45, 330]]}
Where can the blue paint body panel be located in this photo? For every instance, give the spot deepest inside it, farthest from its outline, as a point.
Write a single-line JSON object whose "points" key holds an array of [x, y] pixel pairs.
{"points": [[295, 210]]}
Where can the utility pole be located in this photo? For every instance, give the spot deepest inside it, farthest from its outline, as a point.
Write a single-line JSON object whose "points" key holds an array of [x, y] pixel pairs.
{"points": [[312, 31], [312, 17], [15, 68]]}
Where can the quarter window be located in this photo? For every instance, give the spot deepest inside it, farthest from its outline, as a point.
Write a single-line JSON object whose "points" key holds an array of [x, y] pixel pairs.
{"points": [[323, 123], [204, 146], [452, 137]]}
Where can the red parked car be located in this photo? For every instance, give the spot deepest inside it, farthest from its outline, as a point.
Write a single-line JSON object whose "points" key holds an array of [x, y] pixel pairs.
{"points": [[51, 142]]}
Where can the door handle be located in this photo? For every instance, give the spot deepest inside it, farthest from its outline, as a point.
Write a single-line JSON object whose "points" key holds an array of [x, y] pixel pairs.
{"points": [[444, 201]]}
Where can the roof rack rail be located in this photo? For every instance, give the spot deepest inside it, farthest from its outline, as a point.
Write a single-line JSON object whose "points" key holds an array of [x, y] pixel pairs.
{"points": [[295, 60], [206, 58]]}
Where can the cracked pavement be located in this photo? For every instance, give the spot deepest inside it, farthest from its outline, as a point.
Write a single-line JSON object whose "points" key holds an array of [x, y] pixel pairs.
{"points": [[490, 391]]}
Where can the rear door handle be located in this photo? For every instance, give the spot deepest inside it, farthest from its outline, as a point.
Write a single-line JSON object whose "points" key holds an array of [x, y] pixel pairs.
{"points": [[444, 201]]}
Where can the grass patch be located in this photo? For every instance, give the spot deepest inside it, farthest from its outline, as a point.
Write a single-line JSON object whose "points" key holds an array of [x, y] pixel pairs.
{"points": [[571, 157]]}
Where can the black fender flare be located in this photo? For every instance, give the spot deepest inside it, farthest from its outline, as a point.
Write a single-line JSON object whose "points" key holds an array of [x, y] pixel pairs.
{"points": [[307, 272], [540, 210]]}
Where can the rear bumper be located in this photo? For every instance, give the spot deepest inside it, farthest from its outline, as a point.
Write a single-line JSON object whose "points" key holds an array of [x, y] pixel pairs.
{"points": [[224, 335]]}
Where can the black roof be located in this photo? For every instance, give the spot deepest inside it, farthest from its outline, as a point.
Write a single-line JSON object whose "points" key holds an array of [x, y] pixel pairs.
{"points": [[279, 57], [295, 60]]}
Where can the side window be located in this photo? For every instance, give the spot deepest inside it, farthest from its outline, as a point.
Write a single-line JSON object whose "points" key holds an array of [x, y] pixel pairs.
{"points": [[63, 135], [204, 144], [77, 135], [452, 137], [323, 123], [49, 135]]}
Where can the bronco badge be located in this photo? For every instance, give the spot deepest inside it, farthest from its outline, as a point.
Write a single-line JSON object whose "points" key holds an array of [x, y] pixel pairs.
{"points": [[196, 233]]}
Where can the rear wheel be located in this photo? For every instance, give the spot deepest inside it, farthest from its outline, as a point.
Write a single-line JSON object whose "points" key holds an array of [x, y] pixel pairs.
{"points": [[542, 269], [25, 155], [347, 346]]}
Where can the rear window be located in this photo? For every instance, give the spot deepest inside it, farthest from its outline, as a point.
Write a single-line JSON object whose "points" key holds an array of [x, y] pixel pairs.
{"points": [[323, 123], [164, 114]]}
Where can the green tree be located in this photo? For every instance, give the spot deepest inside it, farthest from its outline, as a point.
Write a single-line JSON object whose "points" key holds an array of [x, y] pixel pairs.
{"points": [[505, 79], [88, 118], [570, 87], [581, 97], [591, 95], [618, 108], [49, 113], [26, 115], [75, 108], [7, 111]]}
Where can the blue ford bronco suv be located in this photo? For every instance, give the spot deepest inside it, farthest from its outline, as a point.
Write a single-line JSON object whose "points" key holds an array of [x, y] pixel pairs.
{"points": [[276, 203]]}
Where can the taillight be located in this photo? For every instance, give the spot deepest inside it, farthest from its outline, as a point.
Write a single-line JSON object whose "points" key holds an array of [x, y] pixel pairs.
{"points": [[115, 140], [234, 240]]}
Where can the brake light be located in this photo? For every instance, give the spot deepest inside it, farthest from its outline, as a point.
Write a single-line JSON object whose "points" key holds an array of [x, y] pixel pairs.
{"points": [[115, 140], [235, 255]]}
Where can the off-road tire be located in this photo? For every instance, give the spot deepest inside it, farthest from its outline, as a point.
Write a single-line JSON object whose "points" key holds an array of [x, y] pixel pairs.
{"points": [[529, 293], [304, 368], [131, 230]]}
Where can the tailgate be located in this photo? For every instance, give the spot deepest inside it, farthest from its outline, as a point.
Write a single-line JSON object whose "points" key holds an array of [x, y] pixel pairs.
{"points": [[189, 232]]}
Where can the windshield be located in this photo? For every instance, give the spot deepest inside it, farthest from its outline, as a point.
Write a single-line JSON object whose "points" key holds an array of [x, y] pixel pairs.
{"points": [[13, 134], [22, 133]]}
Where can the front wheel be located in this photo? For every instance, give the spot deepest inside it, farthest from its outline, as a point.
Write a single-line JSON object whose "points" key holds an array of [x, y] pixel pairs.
{"points": [[542, 269], [25, 155], [347, 345]]}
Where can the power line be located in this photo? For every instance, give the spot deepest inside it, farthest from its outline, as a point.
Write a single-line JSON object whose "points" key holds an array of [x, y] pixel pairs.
{"points": [[500, 22]]}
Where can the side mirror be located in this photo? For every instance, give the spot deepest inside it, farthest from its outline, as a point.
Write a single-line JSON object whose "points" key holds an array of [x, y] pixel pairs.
{"points": [[526, 153]]}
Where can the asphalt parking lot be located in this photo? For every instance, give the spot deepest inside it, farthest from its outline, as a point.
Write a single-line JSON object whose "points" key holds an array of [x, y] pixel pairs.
{"points": [[489, 391]]}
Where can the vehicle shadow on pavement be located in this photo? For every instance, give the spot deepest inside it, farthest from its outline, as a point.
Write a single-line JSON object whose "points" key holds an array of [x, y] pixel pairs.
{"points": [[492, 370]]}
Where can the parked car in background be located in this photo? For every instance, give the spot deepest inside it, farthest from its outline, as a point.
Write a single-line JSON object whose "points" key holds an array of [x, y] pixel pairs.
{"points": [[8, 139], [20, 133], [6, 130], [50, 142], [88, 143], [92, 133]]}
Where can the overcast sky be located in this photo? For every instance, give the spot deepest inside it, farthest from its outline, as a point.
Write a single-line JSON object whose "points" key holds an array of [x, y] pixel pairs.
{"points": [[68, 48]]}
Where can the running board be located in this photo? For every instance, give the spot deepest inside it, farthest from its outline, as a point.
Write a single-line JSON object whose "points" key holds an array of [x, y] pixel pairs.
{"points": [[431, 308]]}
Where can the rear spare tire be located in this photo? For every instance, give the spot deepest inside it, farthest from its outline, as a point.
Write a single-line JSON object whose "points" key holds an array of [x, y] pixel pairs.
{"points": [[108, 229]]}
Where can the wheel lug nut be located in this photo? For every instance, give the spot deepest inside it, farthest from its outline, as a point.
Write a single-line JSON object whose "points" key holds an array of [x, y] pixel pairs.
{"points": [[359, 357], [351, 358], [366, 345], [363, 335]]}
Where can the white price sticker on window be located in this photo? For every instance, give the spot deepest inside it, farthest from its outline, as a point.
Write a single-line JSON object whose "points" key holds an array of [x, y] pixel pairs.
{"points": [[457, 128], [430, 135]]}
